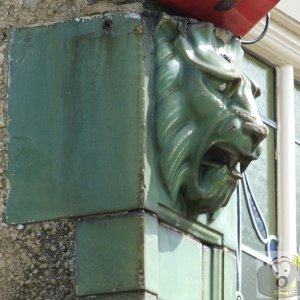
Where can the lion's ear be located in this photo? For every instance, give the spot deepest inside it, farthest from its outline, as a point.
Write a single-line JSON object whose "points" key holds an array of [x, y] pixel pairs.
{"points": [[167, 28]]}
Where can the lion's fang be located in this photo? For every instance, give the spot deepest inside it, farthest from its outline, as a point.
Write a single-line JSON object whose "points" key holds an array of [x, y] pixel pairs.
{"points": [[237, 167]]}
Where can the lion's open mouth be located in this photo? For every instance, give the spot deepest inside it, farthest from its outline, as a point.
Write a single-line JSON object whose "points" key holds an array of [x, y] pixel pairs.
{"points": [[219, 156]]}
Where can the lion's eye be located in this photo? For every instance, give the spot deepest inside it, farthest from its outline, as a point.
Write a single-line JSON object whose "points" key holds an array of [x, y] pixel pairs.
{"points": [[222, 87]]}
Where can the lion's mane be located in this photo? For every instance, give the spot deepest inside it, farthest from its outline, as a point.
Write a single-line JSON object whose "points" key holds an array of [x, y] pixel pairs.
{"points": [[177, 46]]}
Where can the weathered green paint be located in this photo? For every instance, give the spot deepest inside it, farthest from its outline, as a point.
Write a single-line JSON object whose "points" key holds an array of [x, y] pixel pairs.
{"points": [[76, 115], [207, 124], [112, 254]]}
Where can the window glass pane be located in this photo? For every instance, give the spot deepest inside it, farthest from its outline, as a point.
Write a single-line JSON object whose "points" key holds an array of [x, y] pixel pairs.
{"points": [[263, 76], [298, 191], [261, 175], [258, 281], [297, 133], [297, 111]]}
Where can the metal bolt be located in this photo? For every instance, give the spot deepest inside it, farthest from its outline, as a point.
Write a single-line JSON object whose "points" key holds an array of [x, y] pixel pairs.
{"points": [[108, 24]]}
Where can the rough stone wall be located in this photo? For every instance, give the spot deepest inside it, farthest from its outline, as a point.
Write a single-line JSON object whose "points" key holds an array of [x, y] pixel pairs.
{"points": [[37, 260]]}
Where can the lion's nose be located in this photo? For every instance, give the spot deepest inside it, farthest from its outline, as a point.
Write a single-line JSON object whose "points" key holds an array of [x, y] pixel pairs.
{"points": [[252, 124], [257, 131]]}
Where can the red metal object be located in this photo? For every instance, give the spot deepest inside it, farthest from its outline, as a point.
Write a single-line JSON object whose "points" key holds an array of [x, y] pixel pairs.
{"points": [[238, 16]]}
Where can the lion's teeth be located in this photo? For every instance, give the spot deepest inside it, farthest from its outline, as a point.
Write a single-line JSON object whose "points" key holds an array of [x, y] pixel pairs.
{"points": [[237, 167]]}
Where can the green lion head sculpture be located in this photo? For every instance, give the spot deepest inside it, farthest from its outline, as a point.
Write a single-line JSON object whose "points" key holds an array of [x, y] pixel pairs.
{"points": [[207, 124]]}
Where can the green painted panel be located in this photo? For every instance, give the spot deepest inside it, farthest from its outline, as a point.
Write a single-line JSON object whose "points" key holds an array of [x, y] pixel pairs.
{"points": [[111, 254], [75, 105], [180, 261], [261, 175], [264, 76]]}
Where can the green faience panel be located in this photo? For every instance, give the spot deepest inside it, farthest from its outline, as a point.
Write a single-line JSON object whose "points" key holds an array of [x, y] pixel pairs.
{"points": [[180, 271], [75, 105], [261, 175], [207, 270], [219, 222], [230, 276], [264, 76], [218, 274], [151, 255], [113, 252], [197, 229]]}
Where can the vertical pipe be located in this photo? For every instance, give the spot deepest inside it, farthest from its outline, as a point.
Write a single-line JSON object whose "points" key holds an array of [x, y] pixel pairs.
{"points": [[239, 295], [286, 211]]}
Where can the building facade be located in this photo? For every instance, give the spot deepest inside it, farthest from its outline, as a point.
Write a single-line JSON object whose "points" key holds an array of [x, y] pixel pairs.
{"points": [[88, 206]]}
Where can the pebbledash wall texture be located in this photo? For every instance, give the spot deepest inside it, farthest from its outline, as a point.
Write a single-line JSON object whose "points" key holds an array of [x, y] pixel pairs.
{"points": [[37, 260]]}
